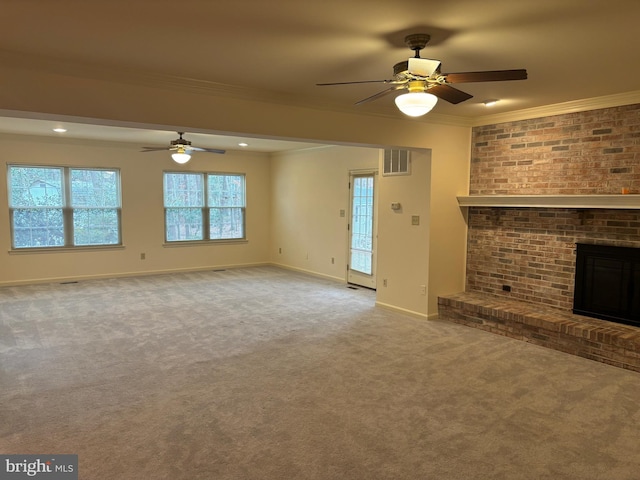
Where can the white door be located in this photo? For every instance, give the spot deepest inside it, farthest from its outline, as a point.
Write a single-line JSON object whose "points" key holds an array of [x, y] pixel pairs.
{"points": [[362, 229]]}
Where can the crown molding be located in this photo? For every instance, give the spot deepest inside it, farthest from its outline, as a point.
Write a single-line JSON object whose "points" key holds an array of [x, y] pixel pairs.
{"points": [[132, 76], [607, 101]]}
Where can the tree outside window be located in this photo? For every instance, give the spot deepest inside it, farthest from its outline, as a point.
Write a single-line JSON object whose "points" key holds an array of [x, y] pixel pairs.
{"points": [[64, 207], [204, 206]]}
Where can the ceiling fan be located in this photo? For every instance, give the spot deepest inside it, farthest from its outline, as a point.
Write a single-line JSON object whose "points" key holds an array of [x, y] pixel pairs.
{"points": [[426, 84], [181, 149]]}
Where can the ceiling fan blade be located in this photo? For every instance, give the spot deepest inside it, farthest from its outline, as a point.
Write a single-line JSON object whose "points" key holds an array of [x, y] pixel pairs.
{"points": [[488, 76], [351, 83], [154, 149], [380, 94], [423, 67], [449, 94], [210, 150]]}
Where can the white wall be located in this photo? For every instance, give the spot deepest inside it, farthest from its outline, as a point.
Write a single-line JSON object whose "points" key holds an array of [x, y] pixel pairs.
{"points": [[142, 212], [309, 189]]}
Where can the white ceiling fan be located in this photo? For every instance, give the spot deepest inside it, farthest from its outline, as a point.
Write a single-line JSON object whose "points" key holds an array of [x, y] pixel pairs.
{"points": [[182, 149]]}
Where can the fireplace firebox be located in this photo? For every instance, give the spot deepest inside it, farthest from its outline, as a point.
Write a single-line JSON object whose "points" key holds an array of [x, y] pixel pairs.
{"points": [[607, 284]]}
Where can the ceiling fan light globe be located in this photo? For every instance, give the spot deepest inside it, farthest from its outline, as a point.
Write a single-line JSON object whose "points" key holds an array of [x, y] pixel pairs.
{"points": [[180, 157], [416, 104]]}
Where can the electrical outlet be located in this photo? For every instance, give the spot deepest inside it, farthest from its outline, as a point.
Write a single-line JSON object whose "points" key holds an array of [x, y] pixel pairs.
{"points": [[384, 282], [333, 260], [423, 289], [280, 250], [143, 256]]}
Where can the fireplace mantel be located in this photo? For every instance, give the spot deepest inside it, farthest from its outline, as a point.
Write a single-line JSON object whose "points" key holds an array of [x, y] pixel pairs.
{"points": [[552, 201]]}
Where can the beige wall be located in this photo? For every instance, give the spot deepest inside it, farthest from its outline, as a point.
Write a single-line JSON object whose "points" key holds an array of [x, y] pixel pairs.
{"points": [[433, 253], [447, 221], [309, 189], [142, 213], [144, 102], [403, 248]]}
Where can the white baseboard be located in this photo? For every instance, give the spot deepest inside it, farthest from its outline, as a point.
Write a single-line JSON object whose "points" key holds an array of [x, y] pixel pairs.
{"points": [[146, 273], [403, 310], [310, 272]]}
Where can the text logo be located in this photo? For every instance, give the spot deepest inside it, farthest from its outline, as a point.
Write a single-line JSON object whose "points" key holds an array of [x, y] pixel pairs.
{"points": [[45, 467]]}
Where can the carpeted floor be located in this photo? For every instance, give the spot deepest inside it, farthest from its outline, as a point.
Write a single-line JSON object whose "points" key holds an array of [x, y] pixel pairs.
{"points": [[261, 373]]}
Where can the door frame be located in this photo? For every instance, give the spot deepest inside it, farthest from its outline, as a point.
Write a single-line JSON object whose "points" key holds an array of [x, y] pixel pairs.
{"points": [[354, 277]]}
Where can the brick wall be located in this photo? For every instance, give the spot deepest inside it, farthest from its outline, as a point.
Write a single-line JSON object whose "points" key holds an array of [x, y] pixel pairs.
{"points": [[594, 152], [532, 250]]}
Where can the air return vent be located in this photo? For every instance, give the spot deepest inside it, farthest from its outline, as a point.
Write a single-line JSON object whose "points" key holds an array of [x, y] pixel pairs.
{"points": [[396, 162]]}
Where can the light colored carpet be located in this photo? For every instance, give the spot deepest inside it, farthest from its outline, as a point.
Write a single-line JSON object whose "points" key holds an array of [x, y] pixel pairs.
{"points": [[261, 373]]}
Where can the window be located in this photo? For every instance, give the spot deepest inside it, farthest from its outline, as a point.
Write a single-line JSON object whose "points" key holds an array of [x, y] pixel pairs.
{"points": [[204, 206], [63, 206]]}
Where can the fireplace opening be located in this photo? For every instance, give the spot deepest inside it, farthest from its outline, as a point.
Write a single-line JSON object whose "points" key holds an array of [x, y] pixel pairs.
{"points": [[607, 284]]}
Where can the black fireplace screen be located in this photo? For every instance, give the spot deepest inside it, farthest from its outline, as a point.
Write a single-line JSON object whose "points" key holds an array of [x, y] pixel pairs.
{"points": [[607, 283]]}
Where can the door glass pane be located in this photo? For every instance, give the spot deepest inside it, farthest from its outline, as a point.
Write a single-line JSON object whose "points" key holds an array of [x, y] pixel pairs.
{"points": [[362, 225]]}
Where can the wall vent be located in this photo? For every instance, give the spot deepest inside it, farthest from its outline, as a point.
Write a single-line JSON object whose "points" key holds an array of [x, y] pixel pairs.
{"points": [[396, 162]]}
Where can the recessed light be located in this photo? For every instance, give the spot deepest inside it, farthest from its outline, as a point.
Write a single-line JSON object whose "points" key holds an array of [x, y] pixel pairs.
{"points": [[243, 144], [59, 130], [490, 103]]}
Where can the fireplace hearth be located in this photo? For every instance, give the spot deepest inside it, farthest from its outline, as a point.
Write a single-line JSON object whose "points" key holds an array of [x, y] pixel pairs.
{"points": [[607, 283]]}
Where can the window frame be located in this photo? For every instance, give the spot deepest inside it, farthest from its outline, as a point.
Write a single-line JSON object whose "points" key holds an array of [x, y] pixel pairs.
{"points": [[206, 208], [66, 208]]}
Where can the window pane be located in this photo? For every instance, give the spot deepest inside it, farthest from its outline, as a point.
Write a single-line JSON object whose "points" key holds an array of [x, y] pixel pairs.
{"points": [[183, 224], [94, 188], [362, 225], [183, 190], [226, 223], [35, 187], [226, 190], [95, 226], [41, 211], [37, 227]]}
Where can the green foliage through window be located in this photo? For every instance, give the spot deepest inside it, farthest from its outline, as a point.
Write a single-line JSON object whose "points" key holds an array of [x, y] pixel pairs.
{"points": [[64, 207], [189, 217]]}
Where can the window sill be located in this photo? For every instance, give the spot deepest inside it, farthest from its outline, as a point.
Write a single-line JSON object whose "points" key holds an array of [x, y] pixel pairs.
{"points": [[88, 248], [201, 243]]}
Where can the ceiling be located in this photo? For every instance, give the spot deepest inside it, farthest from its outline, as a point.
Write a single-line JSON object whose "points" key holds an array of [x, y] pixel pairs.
{"points": [[279, 50]]}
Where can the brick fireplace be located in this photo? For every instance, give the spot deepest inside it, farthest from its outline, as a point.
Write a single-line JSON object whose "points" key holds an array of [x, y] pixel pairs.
{"points": [[527, 254]]}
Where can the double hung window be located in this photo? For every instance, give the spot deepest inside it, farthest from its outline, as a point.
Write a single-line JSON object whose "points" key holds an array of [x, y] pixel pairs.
{"points": [[204, 206], [64, 206]]}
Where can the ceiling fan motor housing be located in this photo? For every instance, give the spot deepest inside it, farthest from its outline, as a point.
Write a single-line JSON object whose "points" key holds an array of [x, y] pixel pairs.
{"points": [[417, 41], [180, 141], [401, 67]]}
